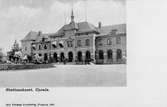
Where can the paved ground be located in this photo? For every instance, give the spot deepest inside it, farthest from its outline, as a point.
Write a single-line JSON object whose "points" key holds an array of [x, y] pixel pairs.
{"points": [[67, 75]]}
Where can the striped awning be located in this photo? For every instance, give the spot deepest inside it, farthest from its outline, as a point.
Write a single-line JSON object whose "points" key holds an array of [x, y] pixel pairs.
{"points": [[33, 45], [54, 43], [61, 44]]}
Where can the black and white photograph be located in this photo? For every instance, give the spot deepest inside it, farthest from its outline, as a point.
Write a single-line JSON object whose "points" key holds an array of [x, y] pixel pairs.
{"points": [[63, 43], [83, 53]]}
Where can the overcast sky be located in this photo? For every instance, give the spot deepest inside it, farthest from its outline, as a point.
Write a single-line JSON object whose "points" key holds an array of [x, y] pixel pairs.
{"points": [[18, 17]]}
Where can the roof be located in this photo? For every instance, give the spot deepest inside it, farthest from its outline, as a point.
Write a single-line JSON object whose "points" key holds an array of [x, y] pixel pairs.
{"points": [[80, 27], [43, 35], [32, 35], [119, 28], [86, 27]]}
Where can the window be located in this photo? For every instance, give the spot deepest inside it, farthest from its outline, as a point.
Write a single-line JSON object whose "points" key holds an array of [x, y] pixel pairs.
{"points": [[34, 47], [54, 46], [87, 42], [40, 54], [69, 44], [119, 54], [25, 48], [45, 46], [39, 47], [109, 54], [118, 40], [101, 54], [79, 43], [43, 39], [109, 42], [113, 31], [100, 42]]}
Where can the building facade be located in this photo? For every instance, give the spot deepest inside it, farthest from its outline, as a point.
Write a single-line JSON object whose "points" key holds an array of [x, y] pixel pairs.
{"points": [[79, 42]]}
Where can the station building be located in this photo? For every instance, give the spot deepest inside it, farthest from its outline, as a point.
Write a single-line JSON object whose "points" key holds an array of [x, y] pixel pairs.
{"points": [[79, 42]]}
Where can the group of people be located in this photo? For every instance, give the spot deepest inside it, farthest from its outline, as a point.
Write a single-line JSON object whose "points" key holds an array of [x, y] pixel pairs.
{"points": [[18, 58]]}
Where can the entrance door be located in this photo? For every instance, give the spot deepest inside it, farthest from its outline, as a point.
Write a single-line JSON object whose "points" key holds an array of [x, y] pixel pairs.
{"points": [[88, 56], [61, 57], [119, 54], [101, 55], [109, 54], [80, 56], [70, 56], [45, 57], [55, 57]]}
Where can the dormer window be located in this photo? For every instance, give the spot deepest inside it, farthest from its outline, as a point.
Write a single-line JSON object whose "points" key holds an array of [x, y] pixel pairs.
{"points": [[43, 39], [113, 31]]}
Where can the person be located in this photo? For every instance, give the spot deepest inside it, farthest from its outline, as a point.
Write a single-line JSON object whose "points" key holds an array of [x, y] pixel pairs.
{"points": [[64, 60], [25, 59]]}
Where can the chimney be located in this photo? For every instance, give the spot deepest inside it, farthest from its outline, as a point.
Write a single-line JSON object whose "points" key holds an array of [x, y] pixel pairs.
{"points": [[39, 33], [99, 25]]}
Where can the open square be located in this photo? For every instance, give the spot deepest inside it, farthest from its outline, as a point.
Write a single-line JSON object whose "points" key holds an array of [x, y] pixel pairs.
{"points": [[66, 75]]}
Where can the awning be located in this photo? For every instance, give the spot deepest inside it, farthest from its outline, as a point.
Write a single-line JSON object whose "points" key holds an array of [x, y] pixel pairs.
{"points": [[33, 45], [54, 43], [61, 44]]}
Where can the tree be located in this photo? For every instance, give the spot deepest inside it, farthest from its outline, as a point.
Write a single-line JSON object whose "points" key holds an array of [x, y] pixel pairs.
{"points": [[16, 46], [1, 55]]}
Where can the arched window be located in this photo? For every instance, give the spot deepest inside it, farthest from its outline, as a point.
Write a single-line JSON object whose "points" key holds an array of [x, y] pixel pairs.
{"points": [[45, 46], [109, 41], [79, 43], [69, 43], [87, 42], [101, 54], [39, 47], [109, 54], [118, 40], [119, 54]]}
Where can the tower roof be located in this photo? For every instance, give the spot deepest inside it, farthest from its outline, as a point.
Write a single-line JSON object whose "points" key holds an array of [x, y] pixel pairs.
{"points": [[72, 16]]}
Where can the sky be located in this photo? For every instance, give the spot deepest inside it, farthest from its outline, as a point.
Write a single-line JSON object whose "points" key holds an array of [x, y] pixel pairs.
{"points": [[18, 17]]}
